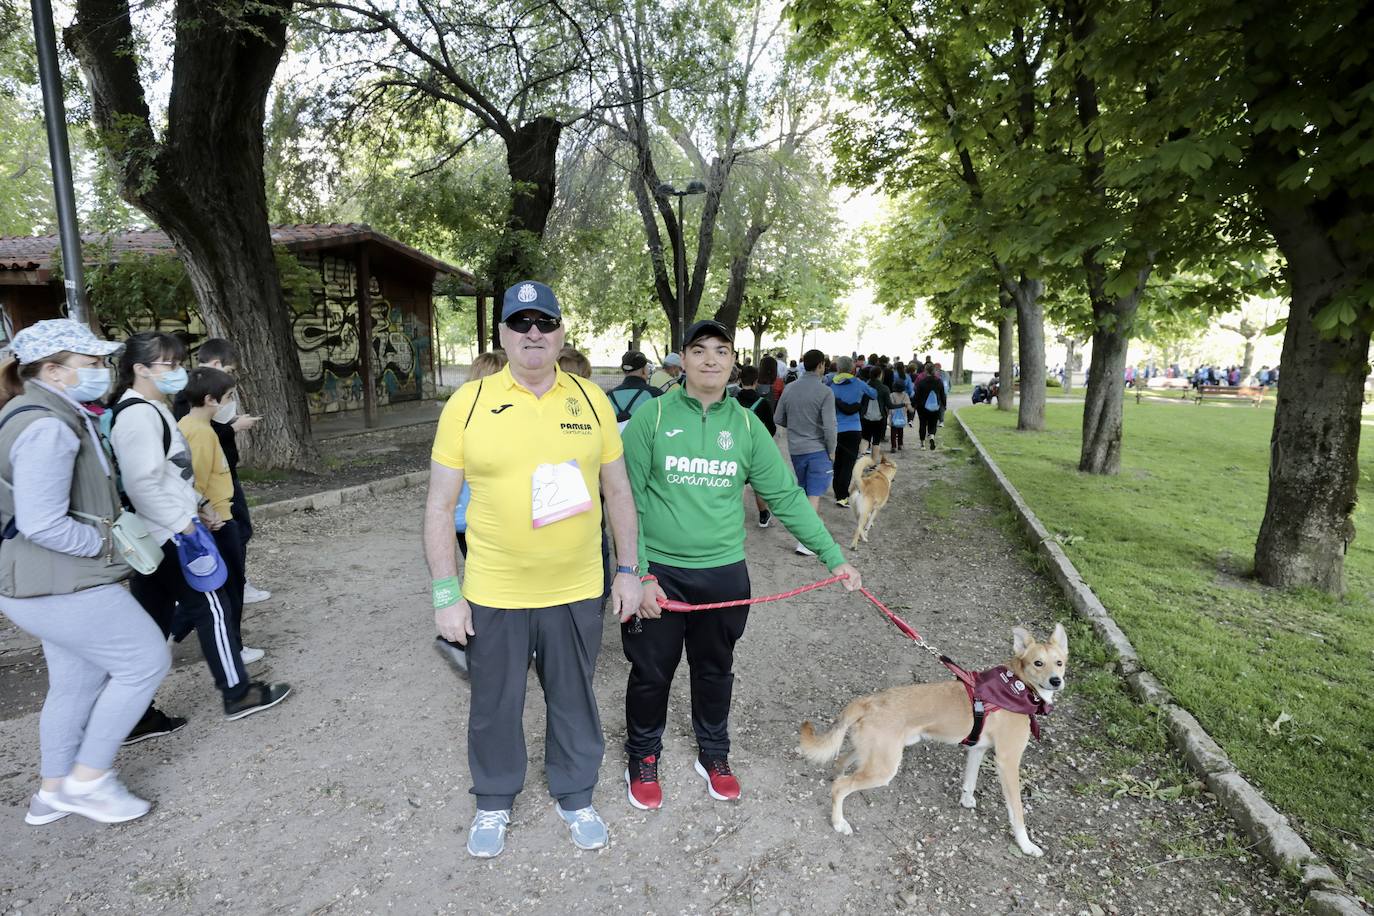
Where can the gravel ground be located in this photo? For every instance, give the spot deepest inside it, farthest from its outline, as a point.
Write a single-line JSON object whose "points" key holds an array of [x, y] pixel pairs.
{"points": [[351, 797]]}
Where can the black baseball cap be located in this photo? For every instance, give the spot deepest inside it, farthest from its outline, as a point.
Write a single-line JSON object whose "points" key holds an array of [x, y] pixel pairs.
{"points": [[633, 360], [707, 327]]}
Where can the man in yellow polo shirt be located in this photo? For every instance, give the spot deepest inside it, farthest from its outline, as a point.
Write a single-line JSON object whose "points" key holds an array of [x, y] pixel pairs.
{"points": [[537, 448]]}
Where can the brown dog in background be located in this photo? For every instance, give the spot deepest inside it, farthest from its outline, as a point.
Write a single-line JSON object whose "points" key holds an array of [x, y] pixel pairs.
{"points": [[881, 725], [869, 492]]}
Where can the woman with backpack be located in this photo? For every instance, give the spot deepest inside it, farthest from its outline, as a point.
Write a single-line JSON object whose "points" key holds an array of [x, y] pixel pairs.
{"points": [[154, 464], [875, 411], [930, 403], [60, 578], [898, 403]]}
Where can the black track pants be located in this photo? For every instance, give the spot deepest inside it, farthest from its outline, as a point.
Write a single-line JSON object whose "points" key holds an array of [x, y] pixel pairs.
{"points": [[846, 453], [654, 648]]}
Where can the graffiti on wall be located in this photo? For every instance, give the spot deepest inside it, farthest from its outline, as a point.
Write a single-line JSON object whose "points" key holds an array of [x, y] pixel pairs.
{"points": [[327, 338]]}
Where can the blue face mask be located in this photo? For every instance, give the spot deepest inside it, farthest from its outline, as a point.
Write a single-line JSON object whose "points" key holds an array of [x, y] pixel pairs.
{"points": [[171, 381], [91, 385]]}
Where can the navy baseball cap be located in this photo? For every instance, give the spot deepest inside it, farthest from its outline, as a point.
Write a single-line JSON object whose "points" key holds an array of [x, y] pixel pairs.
{"points": [[708, 328], [530, 294]]}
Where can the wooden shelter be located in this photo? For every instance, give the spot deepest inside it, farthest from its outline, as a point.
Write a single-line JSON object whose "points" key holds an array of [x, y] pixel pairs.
{"points": [[368, 287]]}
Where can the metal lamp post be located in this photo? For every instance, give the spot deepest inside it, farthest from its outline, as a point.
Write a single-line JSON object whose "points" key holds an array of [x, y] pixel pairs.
{"points": [[680, 250], [55, 117]]}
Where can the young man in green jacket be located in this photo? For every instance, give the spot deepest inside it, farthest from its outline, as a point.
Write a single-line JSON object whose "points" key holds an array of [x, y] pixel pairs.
{"points": [[689, 454]]}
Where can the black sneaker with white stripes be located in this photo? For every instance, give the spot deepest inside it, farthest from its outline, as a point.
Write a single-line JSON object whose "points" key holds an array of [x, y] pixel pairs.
{"points": [[260, 696], [154, 724]]}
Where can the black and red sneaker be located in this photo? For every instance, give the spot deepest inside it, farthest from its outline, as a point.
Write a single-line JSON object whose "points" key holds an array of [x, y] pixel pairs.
{"points": [[720, 781], [641, 776]]}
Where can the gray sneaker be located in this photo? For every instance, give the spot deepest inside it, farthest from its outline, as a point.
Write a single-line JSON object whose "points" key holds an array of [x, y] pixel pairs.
{"points": [[40, 812], [487, 836], [104, 800], [586, 826]]}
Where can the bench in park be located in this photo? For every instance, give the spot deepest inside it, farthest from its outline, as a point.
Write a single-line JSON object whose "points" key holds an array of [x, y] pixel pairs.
{"points": [[1253, 394]]}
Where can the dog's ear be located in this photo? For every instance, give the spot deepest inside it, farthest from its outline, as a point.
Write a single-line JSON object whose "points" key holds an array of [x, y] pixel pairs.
{"points": [[1021, 640], [1060, 638]]}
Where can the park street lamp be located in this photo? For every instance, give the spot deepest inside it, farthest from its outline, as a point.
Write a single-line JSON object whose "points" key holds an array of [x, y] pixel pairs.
{"points": [[680, 249]]}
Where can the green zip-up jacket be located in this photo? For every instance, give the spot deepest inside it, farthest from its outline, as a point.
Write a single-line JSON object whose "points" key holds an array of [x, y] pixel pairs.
{"points": [[687, 468]]}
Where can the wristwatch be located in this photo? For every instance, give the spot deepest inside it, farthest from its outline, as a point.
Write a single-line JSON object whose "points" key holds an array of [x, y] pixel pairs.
{"points": [[628, 570]]}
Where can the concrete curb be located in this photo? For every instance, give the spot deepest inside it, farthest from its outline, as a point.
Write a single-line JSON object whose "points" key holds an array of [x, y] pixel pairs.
{"points": [[1266, 827], [330, 498]]}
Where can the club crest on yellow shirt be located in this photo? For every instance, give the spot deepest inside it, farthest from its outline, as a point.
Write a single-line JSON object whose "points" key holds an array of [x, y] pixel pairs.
{"points": [[573, 406]]}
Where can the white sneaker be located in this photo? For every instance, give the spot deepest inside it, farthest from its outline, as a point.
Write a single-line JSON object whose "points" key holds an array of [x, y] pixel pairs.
{"points": [[802, 551], [104, 800], [41, 810], [253, 595], [251, 655]]}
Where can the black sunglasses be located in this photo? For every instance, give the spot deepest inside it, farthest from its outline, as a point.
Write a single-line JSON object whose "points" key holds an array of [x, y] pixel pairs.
{"points": [[521, 324]]}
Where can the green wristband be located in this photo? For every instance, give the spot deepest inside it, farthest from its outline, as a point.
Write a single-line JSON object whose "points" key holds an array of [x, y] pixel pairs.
{"points": [[446, 591]]}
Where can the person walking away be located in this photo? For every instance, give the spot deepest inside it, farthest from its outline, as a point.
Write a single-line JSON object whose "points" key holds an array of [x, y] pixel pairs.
{"points": [[538, 446], [874, 423], [688, 458], [61, 580], [807, 410], [635, 391], [930, 402], [667, 375], [849, 394], [754, 400], [898, 404], [206, 391], [769, 382], [154, 464]]}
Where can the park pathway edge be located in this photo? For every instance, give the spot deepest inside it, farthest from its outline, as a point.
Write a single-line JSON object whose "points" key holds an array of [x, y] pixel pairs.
{"points": [[330, 498], [1324, 892]]}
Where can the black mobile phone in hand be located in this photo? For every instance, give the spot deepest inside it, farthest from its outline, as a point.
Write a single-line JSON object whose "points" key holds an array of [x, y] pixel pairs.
{"points": [[453, 653]]}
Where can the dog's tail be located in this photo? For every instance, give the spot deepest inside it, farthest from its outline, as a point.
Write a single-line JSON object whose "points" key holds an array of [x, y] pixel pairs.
{"points": [[823, 748], [860, 467]]}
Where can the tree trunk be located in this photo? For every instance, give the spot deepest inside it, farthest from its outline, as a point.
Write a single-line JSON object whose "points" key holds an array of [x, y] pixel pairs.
{"points": [[957, 366], [637, 334], [203, 185], [728, 313], [1069, 346], [1006, 359], [1248, 361], [1314, 448], [1114, 320], [758, 330], [1100, 452], [532, 161], [1030, 340]]}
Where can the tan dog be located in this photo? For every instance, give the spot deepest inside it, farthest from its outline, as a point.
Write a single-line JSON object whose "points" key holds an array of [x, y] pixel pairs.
{"points": [[869, 492], [882, 724]]}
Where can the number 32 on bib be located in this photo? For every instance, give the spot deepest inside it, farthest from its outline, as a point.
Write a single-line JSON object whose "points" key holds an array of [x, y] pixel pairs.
{"points": [[558, 492]]}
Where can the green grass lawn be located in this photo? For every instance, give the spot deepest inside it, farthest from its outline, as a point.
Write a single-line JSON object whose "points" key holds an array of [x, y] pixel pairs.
{"points": [[1284, 680]]}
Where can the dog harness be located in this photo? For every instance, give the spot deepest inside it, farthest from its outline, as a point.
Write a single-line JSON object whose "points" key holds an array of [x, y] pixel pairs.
{"points": [[994, 689]]}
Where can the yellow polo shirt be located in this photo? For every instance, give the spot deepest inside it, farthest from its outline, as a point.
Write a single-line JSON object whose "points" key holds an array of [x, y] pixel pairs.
{"points": [[497, 438]]}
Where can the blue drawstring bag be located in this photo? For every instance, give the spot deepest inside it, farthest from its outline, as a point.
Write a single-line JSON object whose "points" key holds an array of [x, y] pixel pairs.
{"points": [[460, 512]]}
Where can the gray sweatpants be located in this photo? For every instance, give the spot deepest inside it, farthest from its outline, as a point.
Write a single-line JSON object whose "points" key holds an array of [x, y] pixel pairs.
{"points": [[105, 660], [565, 640]]}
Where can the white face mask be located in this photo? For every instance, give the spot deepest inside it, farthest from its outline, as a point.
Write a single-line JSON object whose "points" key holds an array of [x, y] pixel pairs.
{"points": [[227, 411]]}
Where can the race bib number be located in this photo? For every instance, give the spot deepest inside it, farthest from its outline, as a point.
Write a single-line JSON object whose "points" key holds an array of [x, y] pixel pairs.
{"points": [[558, 492]]}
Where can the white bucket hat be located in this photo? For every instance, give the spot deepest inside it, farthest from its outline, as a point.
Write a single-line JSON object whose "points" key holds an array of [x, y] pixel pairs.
{"points": [[55, 335]]}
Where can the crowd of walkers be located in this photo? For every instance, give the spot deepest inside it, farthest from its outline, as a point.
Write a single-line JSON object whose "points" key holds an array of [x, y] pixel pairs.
{"points": [[124, 526]]}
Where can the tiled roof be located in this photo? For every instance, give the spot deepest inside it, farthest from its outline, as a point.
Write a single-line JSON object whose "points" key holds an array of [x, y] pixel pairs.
{"points": [[39, 252]]}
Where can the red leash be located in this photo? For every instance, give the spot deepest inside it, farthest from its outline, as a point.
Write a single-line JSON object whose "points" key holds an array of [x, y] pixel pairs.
{"points": [[669, 605]]}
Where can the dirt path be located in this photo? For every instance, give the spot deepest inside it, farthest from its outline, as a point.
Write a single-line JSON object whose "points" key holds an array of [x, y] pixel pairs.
{"points": [[352, 796]]}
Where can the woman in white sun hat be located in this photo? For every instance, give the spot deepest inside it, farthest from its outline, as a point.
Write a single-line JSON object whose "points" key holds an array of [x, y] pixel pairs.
{"points": [[60, 576]]}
